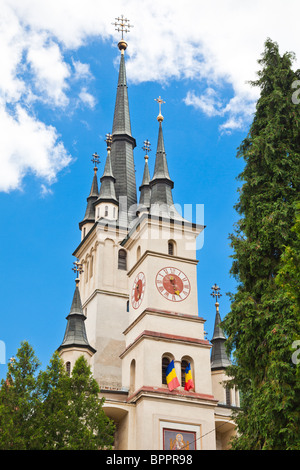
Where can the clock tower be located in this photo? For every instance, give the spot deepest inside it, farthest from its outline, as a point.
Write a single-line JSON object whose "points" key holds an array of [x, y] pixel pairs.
{"points": [[143, 336]]}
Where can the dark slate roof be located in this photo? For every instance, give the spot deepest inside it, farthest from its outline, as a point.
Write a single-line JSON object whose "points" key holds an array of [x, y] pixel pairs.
{"points": [[219, 358], [145, 190], [123, 143], [107, 189], [161, 184], [93, 196], [75, 334]]}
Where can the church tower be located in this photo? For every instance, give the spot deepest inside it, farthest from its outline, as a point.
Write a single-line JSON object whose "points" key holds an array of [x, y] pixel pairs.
{"points": [[139, 301]]}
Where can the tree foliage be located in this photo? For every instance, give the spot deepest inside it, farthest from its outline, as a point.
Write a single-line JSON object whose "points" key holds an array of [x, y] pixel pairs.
{"points": [[50, 410], [264, 317]]}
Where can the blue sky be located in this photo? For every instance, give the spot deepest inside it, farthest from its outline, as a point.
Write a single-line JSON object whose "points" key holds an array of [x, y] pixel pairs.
{"points": [[57, 96]]}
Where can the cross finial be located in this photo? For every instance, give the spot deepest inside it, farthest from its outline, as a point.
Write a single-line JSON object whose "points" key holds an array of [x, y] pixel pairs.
{"points": [[216, 293], [108, 141], [77, 269], [122, 24], [95, 160], [159, 101], [146, 148]]}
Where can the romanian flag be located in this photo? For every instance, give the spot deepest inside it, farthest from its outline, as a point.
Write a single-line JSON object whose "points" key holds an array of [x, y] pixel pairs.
{"points": [[171, 376], [188, 378]]}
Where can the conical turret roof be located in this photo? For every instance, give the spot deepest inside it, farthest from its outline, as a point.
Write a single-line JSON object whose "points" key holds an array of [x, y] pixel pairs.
{"points": [[75, 334], [219, 357], [93, 196]]}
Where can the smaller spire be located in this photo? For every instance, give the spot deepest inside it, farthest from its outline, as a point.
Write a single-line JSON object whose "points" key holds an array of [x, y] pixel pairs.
{"points": [[107, 190], [89, 216], [161, 184], [219, 357], [145, 190], [75, 334]]}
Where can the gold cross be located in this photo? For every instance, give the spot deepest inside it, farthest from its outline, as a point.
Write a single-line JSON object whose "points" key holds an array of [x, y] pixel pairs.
{"points": [[122, 24], [146, 147], [108, 141], [77, 267], [95, 160], [216, 292], [159, 101]]}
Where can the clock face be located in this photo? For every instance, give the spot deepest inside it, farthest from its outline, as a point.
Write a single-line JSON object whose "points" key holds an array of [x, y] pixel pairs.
{"points": [[138, 290], [173, 284]]}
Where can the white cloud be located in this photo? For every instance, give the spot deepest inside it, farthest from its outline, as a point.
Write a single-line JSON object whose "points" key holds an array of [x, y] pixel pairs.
{"points": [[87, 98], [49, 70], [81, 70], [28, 146]]}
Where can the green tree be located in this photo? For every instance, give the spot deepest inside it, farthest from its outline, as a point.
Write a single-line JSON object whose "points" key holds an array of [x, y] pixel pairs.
{"points": [[18, 401], [263, 321], [88, 426], [50, 410]]}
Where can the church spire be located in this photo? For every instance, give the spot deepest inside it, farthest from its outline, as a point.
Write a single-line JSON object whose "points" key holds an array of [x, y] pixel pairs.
{"points": [[123, 143], [75, 334], [145, 190], [89, 216], [161, 184], [219, 358], [107, 189]]}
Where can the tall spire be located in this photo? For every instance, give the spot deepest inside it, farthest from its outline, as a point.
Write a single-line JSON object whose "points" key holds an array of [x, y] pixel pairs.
{"points": [[161, 184], [93, 196], [219, 358], [145, 190], [123, 143], [75, 334]]}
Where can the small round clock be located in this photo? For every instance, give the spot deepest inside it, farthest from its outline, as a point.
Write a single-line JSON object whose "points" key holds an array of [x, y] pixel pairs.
{"points": [[138, 290], [173, 284]]}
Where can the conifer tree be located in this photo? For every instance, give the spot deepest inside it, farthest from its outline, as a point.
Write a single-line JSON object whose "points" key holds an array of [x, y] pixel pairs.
{"points": [[264, 321], [50, 410]]}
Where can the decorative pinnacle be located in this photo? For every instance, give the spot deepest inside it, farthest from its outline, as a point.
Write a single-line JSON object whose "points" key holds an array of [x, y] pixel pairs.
{"points": [[216, 293], [122, 24], [146, 148], [77, 269], [160, 118], [95, 160], [108, 141]]}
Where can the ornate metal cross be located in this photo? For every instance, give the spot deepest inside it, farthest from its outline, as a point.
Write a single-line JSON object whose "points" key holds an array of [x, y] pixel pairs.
{"points": [[146, 147], [122, 24], [159, 101], [215, 293], [108, 141], [95, 159], [77, 268]]}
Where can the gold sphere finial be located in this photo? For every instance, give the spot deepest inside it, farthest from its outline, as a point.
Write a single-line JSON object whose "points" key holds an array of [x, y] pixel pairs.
{"points": [[122, 45]]}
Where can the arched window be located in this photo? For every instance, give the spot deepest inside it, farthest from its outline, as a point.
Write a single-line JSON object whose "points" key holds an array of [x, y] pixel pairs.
{"points": [[127, 306], [184, 365], [68, 368], [91, 266], [132, 376], [227, 396], [138, 253], [164, 364], [106, 211], [171, 247], [122, 260], [87, 272]]}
